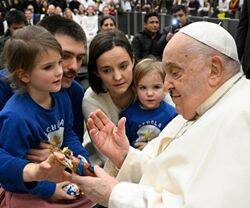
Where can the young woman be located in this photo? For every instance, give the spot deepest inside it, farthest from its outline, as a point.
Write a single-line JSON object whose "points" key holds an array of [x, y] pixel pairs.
{"points": [[110, 70]]}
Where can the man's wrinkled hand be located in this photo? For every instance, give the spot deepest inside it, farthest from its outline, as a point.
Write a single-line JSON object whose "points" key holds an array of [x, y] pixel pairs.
{"points": [[110, 139], [97, 189]]}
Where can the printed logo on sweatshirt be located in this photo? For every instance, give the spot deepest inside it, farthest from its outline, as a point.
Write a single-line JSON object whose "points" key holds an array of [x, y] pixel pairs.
{"points": [[55, 133], [150, 122], [148, 130]]}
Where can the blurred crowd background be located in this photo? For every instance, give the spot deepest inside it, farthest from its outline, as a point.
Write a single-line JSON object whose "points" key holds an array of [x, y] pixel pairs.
{"points": [[77, 9], [126, 15]]}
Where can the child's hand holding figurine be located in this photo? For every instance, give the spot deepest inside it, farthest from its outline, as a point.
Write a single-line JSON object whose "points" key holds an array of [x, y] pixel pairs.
{"points": [[78, 165]]}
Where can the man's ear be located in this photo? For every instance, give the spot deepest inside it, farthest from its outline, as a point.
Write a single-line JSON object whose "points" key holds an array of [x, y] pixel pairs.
{"points": [[23, 76], [216, 71]]}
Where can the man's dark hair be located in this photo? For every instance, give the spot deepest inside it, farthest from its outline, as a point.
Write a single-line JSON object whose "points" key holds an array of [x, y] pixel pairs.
{"points": [[57, 24], [30, 10], [150, 14], [177, 8], [15, 17]]}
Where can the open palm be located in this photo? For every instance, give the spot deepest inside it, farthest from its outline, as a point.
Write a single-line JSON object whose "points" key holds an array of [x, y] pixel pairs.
{"points": [[111, 140]]}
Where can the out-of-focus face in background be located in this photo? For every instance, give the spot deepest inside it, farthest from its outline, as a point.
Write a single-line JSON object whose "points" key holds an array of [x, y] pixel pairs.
{"points": [[181, 17], [152, 25], [108, 25]]}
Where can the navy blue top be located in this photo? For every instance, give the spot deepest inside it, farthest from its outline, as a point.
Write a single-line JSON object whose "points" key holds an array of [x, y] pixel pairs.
{"points": [[145, 124], [24, 124], [75, 92]]}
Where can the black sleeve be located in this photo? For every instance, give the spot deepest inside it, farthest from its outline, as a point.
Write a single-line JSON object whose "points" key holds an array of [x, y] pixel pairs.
{"points": [[242, 30], [163, 41], [137, 47]]}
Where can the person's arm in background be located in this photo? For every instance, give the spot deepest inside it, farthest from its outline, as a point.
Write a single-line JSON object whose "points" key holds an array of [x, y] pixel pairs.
{"points": [[165, 37], [226, 7], [242, 30]]}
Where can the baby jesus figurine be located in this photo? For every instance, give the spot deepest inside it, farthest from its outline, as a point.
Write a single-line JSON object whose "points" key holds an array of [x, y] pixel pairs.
{"points": [[78, 165]]}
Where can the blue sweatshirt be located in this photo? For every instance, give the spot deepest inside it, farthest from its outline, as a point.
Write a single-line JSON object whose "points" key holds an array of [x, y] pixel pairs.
{"points": [[146, 124], [14, 165], [75, 92], [24, 124]]}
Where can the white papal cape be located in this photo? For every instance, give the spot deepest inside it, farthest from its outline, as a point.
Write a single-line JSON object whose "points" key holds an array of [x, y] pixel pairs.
{"points": [[207, 165]]}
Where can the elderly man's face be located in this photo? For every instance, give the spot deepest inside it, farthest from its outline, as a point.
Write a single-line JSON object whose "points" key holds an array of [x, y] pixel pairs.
{"points": [[186, 77]]}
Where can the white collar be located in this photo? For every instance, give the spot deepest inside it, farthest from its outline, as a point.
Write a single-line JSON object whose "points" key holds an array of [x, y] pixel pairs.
{"points": [[219, 93]]}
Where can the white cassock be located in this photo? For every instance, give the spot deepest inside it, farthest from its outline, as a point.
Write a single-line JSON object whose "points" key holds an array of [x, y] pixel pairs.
{"points": [[207, 164]]}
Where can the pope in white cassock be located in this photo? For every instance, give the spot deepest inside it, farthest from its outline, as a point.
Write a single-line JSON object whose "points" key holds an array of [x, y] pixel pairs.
{"points": [[202, 158]]}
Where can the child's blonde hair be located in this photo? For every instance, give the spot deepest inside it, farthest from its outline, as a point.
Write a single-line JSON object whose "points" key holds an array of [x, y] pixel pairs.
{"points": [[23, 50], [146, 66]]}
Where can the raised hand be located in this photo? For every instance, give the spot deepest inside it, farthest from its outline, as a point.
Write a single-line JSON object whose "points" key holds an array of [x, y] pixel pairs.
{"points": [[111, 140]]}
